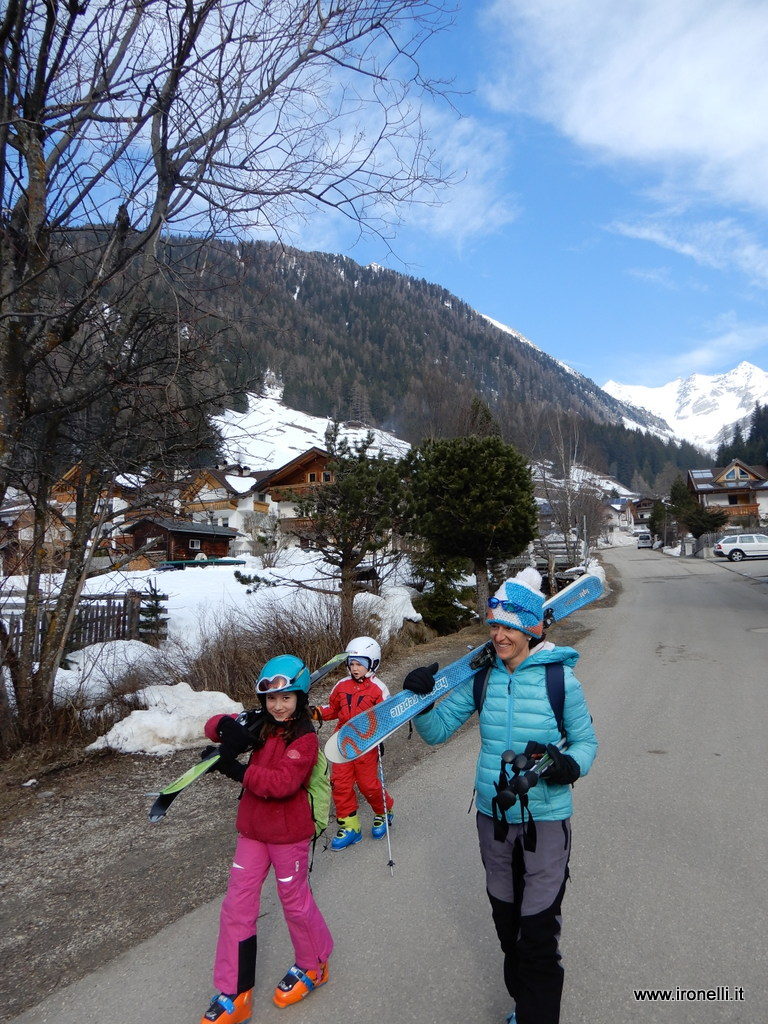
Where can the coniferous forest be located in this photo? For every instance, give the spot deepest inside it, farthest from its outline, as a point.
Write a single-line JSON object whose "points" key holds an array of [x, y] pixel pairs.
{"points": [[365, 343]]}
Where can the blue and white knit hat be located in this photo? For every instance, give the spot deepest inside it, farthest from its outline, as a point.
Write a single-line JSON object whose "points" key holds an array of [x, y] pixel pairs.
{"points": [[524, 604]]}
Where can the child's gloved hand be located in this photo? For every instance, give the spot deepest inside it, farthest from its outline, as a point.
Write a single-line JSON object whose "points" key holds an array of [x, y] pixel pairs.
{"points": [[315, 714], [564, 769], [234, 737], [229, 765], [421, 680], [208, 751]]}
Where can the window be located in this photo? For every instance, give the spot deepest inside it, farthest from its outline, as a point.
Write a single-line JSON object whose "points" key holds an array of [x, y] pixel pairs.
{"points": [[737, 473], [223, 521], [327, 477], [312, 477], [194, 545]]}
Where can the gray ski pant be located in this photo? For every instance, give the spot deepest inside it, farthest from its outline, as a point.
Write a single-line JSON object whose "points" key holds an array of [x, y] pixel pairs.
{"points": [[525, 889]]}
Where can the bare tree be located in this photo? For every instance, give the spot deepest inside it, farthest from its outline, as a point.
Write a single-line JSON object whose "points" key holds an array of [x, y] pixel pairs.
{"points": [[122, 122], [575, 501]]}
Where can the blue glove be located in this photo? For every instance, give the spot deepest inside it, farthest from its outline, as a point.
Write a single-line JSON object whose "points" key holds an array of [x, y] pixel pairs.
{"points": [[421, 680]]}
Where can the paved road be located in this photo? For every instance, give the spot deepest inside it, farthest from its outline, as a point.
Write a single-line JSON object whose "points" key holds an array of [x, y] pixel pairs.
{"points": [[669, 849]]}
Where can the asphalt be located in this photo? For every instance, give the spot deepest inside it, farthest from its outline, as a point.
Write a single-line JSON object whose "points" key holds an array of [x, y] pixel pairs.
{"points": [[668, 872]]}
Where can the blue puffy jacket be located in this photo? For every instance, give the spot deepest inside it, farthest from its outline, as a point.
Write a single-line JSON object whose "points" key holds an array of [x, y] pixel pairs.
{"points": [[516, 709]]}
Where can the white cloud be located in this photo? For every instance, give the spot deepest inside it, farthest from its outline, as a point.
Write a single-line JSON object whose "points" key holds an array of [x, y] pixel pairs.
{"points": [[729, 342], [721, 244], [478, 202], [679, 84]]}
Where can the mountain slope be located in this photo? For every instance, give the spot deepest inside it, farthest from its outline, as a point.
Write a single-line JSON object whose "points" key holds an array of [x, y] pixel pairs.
{"points": [[369, 343], [700, 407]]}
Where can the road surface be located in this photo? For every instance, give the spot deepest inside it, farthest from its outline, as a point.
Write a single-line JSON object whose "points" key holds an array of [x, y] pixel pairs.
{"points": [[668, 872]]}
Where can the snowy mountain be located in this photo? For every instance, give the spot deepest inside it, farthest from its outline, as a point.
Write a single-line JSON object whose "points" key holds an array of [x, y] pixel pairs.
{"points": [[270, 434], [698, 408]]}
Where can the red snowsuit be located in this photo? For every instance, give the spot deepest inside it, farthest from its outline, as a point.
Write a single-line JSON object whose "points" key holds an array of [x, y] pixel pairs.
{"points": [[347, 699]]}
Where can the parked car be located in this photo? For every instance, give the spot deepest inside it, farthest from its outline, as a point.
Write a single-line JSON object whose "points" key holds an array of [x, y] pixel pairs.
{"points": [[742, 545], [644, 540]]}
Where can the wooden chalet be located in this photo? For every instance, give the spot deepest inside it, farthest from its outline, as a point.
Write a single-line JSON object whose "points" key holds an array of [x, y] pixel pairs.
{"points": [[740, 489], [175, 540]]}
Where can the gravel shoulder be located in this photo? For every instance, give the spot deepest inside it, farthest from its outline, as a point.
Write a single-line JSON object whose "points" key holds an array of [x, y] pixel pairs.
{"points": [[85, 876]]}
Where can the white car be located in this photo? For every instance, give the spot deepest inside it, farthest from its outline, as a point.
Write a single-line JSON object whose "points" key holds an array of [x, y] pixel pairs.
{"points": [[742, 545], [644, 540]]}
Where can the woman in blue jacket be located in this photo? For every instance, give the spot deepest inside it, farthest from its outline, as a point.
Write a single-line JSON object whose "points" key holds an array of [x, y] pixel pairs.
{"points": [[526, 861]]}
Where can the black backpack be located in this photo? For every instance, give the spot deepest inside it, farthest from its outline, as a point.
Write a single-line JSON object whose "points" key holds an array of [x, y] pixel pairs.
{"points": [[555, 677]]}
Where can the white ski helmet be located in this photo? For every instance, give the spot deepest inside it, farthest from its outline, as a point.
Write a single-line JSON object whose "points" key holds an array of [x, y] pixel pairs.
{"points": [[365, 650]]}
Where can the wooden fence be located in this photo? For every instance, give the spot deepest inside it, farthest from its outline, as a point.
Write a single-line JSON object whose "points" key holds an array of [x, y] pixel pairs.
{"points": [[99, 617]]}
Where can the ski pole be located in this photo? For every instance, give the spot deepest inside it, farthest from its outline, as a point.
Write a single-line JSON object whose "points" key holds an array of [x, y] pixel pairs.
{"points": [[390, 862]]}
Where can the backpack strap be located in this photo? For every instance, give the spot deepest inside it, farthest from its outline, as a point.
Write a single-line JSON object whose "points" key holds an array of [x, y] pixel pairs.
{"points": [[555, 677], [480, 685]]}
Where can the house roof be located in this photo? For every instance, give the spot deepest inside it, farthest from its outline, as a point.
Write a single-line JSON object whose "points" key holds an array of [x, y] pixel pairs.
{"points": [[185, 526], [234, 484], [705, 481], [273, 478]]}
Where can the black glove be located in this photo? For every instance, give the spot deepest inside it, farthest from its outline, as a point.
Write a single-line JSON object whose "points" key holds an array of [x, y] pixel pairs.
{"points": [[421, 680], [207, 752], [229, 765], [534, 749], [234, 737], [564, 770]]}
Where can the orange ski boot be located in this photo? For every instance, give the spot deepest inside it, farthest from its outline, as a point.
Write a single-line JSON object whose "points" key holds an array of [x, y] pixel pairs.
{"points": [[229, 1009], [297, 984]]}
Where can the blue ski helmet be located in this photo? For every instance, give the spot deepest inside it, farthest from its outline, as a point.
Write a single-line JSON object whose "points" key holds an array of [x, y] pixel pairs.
{"points": [[283, 674]]}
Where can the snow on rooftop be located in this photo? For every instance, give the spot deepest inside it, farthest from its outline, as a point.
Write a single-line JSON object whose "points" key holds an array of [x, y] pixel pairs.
{"points": [[241, 484]]}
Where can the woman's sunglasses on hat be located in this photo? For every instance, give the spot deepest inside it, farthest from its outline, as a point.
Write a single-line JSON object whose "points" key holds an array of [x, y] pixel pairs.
{"points": [[507, 606]]}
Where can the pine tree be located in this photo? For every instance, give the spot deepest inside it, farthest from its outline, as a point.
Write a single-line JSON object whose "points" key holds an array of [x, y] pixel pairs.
{"points": [[472, 497]]}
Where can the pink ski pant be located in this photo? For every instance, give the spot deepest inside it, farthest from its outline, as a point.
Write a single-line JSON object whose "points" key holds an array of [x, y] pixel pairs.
{"points": [[312, 941]]}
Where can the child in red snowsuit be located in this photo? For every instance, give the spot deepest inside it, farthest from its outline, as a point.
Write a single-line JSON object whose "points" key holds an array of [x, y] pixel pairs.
{"points": [[359, 691], [275, 826]]}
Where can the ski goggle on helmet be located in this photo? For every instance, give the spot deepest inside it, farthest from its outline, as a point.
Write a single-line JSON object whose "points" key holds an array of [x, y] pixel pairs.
{"points": [[365, 650], [283, 674]]}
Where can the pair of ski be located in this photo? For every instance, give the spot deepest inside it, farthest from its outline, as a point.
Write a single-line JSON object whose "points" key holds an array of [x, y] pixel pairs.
{"points": [[366, 730], [166, 796]]}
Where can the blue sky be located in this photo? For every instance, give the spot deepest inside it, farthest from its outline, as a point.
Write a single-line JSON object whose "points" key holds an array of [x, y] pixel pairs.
{"points": [[613, 160]]}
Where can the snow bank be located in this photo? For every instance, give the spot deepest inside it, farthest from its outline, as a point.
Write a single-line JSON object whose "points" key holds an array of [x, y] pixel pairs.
{"points": [[93, 671], [392, 608], [173, 720]]}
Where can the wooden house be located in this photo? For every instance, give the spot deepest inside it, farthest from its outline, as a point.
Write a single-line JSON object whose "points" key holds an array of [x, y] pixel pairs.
{"points": [[740, 489], [175, 540]]}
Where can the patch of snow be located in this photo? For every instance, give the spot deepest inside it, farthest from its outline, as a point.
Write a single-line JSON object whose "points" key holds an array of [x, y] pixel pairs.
{"points": [[173, 720], [270, 434], [93, 670], [241, 484], [392, 608]]}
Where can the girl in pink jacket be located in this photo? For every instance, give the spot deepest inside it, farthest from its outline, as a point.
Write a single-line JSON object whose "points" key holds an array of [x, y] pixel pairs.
{"points": [[275, 826]]}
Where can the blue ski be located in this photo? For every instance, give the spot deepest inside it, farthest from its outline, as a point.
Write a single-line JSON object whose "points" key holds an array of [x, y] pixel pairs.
{"points": [[363, 732]]}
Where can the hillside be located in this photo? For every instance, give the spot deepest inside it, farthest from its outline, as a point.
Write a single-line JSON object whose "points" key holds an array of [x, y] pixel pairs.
{"points": [[382, 348]]}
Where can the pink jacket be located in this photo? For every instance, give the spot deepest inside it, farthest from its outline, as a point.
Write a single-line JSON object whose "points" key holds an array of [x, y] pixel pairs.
{"points": [[274, 807]]}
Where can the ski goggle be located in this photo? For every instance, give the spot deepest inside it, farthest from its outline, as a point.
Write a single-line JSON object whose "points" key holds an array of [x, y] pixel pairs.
{"points": [[273, 684]]}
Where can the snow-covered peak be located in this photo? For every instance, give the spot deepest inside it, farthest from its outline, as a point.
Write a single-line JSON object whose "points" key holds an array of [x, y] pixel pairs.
{"points": [[698, 408]]}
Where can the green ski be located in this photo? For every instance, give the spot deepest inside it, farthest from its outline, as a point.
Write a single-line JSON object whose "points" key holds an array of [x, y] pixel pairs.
{"points": [[166, 796]]}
